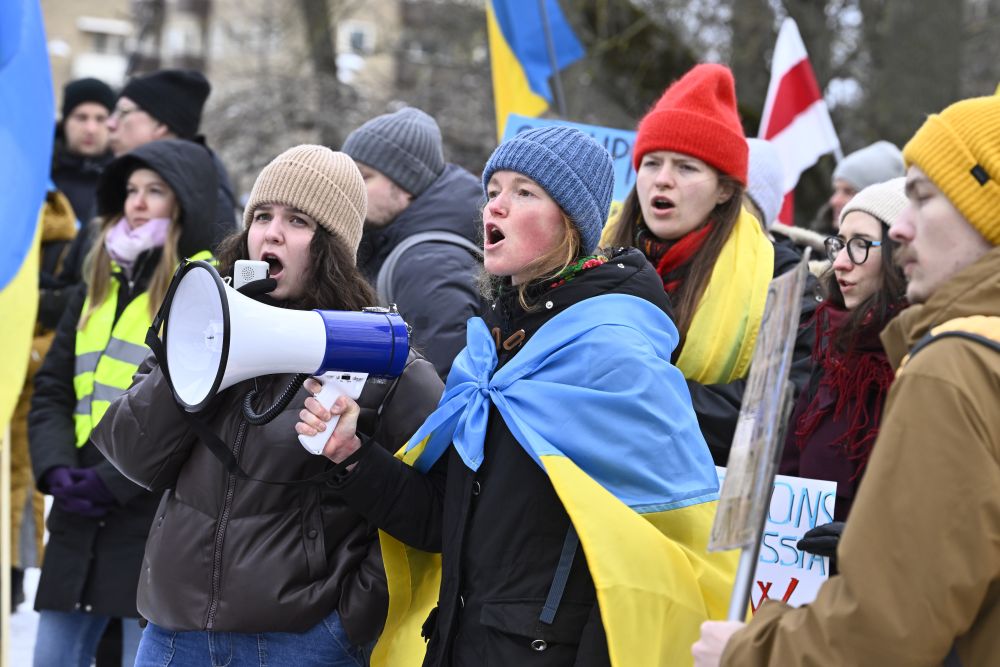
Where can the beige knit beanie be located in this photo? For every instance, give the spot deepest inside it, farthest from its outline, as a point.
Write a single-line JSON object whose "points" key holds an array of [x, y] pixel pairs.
{"points": [[322, 183], [883, 201]]}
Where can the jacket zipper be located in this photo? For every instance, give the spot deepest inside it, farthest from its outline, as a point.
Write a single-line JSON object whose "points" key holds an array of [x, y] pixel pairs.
{"points": [[220, 532]]}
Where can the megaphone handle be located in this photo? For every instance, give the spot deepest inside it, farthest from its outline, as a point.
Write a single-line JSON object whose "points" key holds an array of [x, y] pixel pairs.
{"points": [[335, 384]]}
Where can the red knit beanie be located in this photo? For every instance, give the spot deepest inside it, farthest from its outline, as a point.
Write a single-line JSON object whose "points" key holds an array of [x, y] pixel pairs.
{"points": [[697, 116]]}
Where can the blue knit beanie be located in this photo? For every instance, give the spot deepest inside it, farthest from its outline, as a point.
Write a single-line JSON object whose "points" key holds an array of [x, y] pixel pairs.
{"points": [[572, 168]]}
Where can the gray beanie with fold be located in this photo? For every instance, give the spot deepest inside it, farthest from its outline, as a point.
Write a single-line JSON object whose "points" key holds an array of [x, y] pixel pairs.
{"points": [[872, 164], [405, 146]]}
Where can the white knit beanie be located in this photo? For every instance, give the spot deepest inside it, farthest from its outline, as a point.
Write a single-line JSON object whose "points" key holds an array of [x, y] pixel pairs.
{"points": [[883, 201], [765, 179]]}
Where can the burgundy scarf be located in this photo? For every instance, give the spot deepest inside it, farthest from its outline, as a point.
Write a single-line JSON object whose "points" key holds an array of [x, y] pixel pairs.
{"points": [[668, 256], [859, 378]]}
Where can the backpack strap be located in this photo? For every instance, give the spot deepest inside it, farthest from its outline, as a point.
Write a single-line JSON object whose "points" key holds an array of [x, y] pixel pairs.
{"points": [[981, 329], [383, 283]]}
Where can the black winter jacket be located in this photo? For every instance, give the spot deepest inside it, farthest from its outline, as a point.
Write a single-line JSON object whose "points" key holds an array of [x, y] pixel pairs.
{"points": [[718, 405], [221, 222], [233, 555], [434, 283], [76, 177], [93, 564], [501, 529]]}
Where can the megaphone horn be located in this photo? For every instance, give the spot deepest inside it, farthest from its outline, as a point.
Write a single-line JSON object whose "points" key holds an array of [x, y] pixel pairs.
{"points": [[216, 337]]}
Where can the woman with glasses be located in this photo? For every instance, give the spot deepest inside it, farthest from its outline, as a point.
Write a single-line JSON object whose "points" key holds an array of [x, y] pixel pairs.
{"points": [[836, 419]]}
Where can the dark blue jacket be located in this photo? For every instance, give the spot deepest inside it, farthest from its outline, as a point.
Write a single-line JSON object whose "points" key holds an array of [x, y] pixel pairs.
{"points": [[434, 283]]}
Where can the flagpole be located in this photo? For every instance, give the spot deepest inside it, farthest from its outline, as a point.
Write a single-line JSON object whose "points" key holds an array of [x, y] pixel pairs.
{"points": [[5, 546], [553, 62]]}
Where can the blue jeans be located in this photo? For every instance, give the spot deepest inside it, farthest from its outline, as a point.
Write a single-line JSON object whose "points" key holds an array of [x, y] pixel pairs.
{"points": [[325, 645], [69, 638]]}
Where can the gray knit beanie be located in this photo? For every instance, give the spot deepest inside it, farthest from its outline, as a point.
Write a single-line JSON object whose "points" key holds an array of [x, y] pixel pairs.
{"points": [[576, 171], [883, 201], [405, 146], [872, 164], [319, 182]]}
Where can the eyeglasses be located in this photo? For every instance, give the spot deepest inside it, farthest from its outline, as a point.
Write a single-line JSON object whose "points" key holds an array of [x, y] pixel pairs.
{"points": [[120, 113], [857, 248]]}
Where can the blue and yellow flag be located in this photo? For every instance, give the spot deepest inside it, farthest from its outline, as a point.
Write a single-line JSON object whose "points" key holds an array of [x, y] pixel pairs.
{"points": [[26, 124], [642, 498], [519, 55]]}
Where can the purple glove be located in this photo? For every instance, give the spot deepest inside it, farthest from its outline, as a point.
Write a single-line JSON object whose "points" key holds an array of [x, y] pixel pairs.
{"points": [[57, 479], [87, 495]]}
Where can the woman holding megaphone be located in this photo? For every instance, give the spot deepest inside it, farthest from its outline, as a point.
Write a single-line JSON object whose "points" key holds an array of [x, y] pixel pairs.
{"points": [[156, 206], [563, 430], [272, 568]]}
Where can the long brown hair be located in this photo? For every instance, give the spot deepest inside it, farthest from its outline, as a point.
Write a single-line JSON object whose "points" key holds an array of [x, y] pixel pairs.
{"points": [[97, 266], [696, 275], [546, 267], [332, 279]]}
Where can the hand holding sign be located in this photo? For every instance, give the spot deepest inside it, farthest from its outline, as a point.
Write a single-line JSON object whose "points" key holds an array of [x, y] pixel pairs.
{"points": [[823, 540]]}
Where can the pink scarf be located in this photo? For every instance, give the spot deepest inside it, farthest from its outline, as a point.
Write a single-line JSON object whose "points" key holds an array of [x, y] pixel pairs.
{"points": [[125, 244]]}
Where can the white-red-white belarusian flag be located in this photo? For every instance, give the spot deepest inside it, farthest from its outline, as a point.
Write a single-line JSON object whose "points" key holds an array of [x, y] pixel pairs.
{"points": [[795, 119]]}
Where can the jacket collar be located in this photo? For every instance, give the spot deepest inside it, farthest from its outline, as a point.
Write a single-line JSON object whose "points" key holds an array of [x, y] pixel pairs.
{"points": [[626, 272], [973, 291]]}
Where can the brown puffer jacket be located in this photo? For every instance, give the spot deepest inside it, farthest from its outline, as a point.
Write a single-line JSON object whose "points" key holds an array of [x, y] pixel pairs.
{"points": [[231, 555]]}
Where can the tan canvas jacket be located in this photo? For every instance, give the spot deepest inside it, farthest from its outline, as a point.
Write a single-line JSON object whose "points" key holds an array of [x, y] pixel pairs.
{"points": [[920, 557]]}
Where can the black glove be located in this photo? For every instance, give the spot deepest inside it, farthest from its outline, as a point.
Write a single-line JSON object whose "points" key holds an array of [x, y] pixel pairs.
{"points": [[822, 540], [257, 288]]}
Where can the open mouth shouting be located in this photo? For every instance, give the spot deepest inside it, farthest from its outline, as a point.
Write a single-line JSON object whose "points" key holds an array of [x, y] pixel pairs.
{"points": [[662, 204], [274, 265], [492, 236]]}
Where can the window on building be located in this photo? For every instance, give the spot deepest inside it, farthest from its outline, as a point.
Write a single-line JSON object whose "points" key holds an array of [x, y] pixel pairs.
{"points": [[357, 37]]}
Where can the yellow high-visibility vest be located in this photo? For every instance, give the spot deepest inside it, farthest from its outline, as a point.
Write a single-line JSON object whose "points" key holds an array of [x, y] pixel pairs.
{"points": [[108, 354]]}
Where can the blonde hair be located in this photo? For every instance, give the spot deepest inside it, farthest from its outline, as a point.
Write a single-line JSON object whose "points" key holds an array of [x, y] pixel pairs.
{"points": [[97, 267], [546, 267]]}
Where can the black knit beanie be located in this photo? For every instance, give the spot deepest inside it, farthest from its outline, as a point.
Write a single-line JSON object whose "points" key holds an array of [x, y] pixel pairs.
{"points": [[174, 97], [77, 92]]}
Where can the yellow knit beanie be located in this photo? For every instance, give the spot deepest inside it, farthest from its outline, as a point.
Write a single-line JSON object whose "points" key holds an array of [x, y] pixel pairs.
{"points": [[324, 184], [959, 150]]}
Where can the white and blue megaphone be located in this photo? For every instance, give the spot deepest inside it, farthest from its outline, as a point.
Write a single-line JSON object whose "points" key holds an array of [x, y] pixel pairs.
{"points": [[215, 337]]}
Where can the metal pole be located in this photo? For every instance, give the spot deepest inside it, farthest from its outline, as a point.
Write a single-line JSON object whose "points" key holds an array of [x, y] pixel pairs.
{"points": [[553, 63], [747, 566], [743, 583]]}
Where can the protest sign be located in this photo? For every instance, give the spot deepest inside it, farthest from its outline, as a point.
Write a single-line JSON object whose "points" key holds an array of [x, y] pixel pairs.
{"points": [[783, 572], [760, 428]]}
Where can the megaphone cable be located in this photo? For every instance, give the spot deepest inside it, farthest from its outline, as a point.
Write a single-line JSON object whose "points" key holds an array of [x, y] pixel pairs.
{"points": [[280, 404]]}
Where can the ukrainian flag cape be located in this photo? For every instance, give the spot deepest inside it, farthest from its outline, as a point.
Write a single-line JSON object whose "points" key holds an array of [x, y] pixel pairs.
{"points": [[594, 400]]}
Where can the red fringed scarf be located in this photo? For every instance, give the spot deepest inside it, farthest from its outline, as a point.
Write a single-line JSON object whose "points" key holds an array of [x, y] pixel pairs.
{"points": [[859, 379], [667, 257]]}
